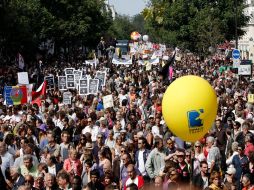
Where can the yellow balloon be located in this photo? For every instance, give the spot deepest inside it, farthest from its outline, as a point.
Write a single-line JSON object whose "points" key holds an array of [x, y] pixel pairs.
{"points": [[189, 107]]}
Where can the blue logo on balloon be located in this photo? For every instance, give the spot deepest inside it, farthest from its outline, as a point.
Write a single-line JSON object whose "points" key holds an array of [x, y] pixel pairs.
{"points": [[195, 118]]}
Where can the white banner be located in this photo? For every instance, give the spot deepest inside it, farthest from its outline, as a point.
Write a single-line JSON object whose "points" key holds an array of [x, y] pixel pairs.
{"points": [[67, 98]]}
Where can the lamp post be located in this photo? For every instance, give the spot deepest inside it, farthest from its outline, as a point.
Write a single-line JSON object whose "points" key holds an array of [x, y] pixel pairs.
{"points": [[236, 33]]}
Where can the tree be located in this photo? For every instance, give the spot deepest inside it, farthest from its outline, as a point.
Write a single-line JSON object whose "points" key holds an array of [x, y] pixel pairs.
{"points": [[69, 23], [194, 24]]}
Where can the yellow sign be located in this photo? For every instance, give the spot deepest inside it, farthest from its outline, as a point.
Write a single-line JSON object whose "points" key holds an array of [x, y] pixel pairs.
{"points": [[251, 98]]}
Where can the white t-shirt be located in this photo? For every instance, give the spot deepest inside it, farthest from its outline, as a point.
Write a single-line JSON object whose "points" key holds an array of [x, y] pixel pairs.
{"points": [[92, 130], [141, 163]]}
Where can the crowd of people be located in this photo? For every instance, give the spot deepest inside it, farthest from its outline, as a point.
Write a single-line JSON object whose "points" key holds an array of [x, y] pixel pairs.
{"points": [[129, 146]]}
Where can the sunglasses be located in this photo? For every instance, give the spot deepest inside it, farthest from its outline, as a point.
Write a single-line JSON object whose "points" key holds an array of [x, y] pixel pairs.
{"points": [[181, 156], [197, 146]]}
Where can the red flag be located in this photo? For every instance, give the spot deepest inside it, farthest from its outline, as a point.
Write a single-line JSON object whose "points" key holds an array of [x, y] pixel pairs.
{"points": [[39, 94]]}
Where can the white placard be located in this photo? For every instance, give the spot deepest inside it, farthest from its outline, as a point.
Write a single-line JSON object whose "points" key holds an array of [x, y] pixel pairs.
{"points": [[108, 101], [69, 71], [67, 98], [244, 70], [23, 78]]}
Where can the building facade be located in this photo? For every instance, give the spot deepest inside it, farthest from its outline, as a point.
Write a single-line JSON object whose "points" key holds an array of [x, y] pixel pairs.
{"points": [[246, 42]]}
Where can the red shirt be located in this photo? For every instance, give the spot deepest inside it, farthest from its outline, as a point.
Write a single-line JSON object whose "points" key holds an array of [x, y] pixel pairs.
{"points": [[248, 148], [139, 181]]}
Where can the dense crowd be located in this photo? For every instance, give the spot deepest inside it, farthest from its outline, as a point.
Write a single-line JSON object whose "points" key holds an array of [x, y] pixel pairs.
{"points": [[129, 146]]}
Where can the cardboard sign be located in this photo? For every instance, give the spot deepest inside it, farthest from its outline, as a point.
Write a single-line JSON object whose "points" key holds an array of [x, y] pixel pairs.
{"points": [[23, 78], [251, 98], [93, 86], [70, 81], [244, 69], [50, 82], [62, 83], [83, 87], [108, 101], [67, 98], [69, 71], [102, 77]]}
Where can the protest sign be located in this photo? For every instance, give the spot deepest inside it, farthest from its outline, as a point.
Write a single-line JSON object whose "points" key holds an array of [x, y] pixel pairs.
{"points": [[93, 86], [101, 76], [77, 75], [251, 98], [67, 98], [118, 61], [108, 101], [69, 71], [148, 66], [70, 81], [50, 82], [83, 87], [244, 69], [23, 78], [62, 83]]}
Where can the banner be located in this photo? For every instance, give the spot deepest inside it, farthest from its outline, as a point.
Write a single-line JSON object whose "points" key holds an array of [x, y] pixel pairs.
{"points": [[50, 82], [67, 98], [92, 62], [93, 86], [23, 78], [151, 61], [15, 95], [62, 83], [108, 101], [121, 61], [69, 71], [70, 81], [83, 87]]}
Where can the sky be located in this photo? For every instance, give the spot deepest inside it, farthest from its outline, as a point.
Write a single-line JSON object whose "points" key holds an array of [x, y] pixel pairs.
{"points": [[128, 7]]}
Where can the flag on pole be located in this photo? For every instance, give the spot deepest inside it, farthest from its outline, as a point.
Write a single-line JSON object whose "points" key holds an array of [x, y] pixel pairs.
{"points": [[39, 94], [15, 95]]}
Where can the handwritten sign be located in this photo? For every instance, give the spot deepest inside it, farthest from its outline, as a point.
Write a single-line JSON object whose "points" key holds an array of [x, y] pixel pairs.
{"points": [[108, 101], [23, 78]]}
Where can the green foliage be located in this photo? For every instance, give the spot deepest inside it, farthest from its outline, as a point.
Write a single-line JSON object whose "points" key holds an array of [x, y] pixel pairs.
{"points": [[194, 24], [124, 25], [69, 23]]}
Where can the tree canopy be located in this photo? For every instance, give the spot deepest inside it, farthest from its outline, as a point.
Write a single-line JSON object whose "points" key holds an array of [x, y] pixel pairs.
{"points": [[194, 24], [27, 23]]}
